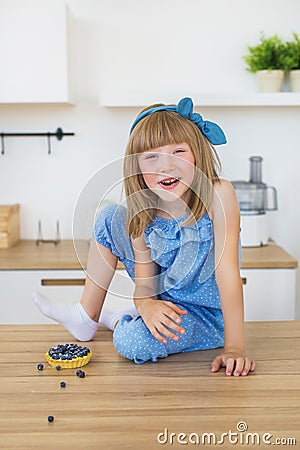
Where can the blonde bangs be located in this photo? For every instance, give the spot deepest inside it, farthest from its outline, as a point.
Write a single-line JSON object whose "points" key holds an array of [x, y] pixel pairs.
{"points": [[160, 129]]}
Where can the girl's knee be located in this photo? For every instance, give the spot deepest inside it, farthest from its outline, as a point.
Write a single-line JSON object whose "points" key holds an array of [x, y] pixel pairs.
{"points": [[133, 341], [128, 338]]}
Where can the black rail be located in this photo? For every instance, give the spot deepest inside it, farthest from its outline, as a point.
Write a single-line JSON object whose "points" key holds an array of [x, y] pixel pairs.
{"points": [[59, 134]]}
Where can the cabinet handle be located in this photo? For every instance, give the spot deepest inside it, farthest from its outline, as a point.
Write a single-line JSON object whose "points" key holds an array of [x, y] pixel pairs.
{"points": [[244, 280], [63, 282]]}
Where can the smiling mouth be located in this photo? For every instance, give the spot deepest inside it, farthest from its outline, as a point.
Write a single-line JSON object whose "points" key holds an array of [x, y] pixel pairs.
{"points": [[169, 182]]}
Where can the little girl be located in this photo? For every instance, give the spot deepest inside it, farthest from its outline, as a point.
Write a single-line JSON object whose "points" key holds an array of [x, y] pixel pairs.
{"points": [[178, 238]]}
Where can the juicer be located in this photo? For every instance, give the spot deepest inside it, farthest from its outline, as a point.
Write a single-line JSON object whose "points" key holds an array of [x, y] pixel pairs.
{"points": [[255, 199]]}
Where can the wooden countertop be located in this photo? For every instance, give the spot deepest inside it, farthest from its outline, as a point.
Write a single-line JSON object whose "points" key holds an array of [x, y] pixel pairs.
{"points": [[26, 255], [269, 256], [122, 405]]}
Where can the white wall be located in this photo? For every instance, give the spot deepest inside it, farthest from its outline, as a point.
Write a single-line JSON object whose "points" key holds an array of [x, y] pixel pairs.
{"points": [[169, 49]]}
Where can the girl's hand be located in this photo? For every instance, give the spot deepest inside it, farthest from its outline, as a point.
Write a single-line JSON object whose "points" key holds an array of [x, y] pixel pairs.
{"points": [[161, 317], [235, 364]]}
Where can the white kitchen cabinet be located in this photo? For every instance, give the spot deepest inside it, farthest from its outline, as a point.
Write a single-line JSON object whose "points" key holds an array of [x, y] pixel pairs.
{"points": [[61, 286], [269, 294], [16, 305], [34, 52]]}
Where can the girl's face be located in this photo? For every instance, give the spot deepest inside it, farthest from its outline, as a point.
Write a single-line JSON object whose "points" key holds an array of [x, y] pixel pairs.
{"points": [[168, 171]]}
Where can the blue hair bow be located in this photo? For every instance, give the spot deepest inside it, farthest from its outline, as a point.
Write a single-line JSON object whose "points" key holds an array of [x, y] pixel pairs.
{"points": [[210, 130]]}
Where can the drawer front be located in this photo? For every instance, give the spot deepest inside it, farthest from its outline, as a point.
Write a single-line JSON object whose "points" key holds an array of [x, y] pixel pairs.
{"points": [[269, 294]]}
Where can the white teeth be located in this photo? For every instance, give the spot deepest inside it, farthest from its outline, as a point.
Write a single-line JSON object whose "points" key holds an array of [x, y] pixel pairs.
{"points": [[169, 181]]}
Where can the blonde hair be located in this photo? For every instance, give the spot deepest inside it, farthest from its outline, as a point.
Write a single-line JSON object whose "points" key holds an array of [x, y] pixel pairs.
{"points": [[157, 130]]}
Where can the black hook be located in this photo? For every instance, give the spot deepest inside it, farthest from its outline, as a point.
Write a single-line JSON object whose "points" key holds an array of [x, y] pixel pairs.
{"points": [[49, 143], [2, 144]]}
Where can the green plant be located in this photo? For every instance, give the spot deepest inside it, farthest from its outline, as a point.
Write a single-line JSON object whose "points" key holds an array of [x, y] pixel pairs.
{"points": [[290, 56], [265, 55]]}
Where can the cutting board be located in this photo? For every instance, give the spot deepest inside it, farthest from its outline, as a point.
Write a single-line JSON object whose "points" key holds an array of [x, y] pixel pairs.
{"points": [[9, 225]]}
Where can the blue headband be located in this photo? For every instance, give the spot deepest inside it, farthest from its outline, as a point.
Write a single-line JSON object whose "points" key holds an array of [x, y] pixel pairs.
{"points": [[211, 130]]}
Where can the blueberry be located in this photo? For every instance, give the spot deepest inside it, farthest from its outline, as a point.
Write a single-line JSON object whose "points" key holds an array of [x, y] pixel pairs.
{"points": [[40, 366], [50, 418], [63, 384], [57, 367], [80, 373]]}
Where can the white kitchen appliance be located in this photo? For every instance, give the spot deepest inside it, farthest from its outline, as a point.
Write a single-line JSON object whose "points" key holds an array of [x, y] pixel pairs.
{"points": [[255, 199]]}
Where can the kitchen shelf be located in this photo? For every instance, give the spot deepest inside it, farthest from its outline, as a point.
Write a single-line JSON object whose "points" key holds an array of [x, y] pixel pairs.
{"points": [[277, 99]]}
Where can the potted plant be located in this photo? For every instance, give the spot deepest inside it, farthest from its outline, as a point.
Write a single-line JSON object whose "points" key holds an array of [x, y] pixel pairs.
{"points": [[290, 61], [264, 59]]}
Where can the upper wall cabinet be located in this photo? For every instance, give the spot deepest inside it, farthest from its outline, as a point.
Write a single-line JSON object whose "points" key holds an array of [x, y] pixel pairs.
{"points": [[34, 53]]}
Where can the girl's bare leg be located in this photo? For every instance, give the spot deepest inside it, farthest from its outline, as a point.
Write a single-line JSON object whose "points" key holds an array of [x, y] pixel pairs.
{"points": [[101, 267]]}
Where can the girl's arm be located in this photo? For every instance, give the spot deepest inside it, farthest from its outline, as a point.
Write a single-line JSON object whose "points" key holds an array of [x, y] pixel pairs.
{"points": [[225, 214], [157, 314]]}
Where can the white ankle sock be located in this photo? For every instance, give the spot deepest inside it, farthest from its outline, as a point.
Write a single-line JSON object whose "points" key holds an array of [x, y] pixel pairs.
{"points": [[73, 317], [110, 318]]}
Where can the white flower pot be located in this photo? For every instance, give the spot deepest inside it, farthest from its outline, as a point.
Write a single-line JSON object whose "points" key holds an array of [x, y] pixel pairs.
{"points": [[270, 80], [295, 80]]}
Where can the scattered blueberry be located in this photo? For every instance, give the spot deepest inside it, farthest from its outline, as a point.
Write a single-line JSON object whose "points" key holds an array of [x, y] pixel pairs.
{"points": [[57, 367], [40, 366], [63, 384], [50, 418], [80, 373]]}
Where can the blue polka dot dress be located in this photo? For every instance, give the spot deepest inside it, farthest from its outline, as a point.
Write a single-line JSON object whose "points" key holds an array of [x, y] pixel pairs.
{"points": [[185, 259]]}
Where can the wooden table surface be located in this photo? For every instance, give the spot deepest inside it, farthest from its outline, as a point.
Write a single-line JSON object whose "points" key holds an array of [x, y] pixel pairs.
{"points": [[120, 405]]}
